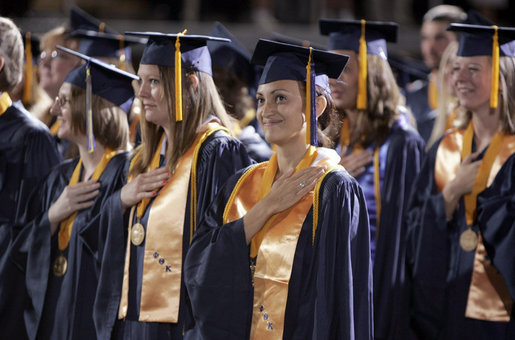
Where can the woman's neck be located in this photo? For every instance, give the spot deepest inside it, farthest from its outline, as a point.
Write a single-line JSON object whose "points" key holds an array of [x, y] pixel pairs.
{"points": [[90, 160], [288, 156], [486, 124]]}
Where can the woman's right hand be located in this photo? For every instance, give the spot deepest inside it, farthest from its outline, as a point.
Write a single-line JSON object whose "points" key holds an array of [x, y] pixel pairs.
{"points": [[143, 186], [462, 184], [73, 198], [355, 163], [285, 192]]}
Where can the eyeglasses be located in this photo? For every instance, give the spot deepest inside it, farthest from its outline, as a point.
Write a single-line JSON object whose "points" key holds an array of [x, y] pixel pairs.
{"points": [[61, 101], [50, 55]]}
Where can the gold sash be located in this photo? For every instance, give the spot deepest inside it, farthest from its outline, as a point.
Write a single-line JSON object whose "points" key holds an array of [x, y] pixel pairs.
{"points": [[66, 226], [488, 297], [432, 91], [162, 263], [54, 128], [5, 102], [277, 245]]}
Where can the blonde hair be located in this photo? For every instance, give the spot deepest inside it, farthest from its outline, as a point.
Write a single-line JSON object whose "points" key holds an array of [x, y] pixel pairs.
{"points": [[506, 98], [11, 49], [198, 104], [447, 102], [109, 120]]}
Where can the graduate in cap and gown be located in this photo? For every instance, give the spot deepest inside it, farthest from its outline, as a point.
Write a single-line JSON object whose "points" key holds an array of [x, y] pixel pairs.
{"points": [[186, 155], [58, 245], [27, 153], [283, 251], [460, 216], [236, 79], [382, 151]]}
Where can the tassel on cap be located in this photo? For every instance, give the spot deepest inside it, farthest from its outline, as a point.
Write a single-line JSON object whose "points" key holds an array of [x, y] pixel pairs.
{"points": [[178, 78], [89, 111], [311, 115], [122, 53], [494, 94], [29, 73], [362, 80]]}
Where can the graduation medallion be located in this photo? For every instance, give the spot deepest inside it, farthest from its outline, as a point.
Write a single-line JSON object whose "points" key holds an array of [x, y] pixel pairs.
{"points": [[468, 240], [137, 234], [60, 265]]}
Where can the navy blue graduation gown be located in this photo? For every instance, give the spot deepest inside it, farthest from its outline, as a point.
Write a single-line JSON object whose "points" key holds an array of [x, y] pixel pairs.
{"points": [[405, 150], [496, 211], [417, 101], [439, 269], [330, 289], [61, 307], [220, 156], [27, 153]]}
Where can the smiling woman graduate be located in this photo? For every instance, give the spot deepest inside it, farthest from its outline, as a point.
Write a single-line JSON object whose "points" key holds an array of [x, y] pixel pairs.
{"points": [[185, 157], [283, 252], [58, 244], [461, 216]]}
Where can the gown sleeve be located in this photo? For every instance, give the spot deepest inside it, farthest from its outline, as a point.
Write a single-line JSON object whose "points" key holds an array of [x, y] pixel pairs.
{"points": [[391, 294], [343, 302], [496, 219], [217, 275], [427, 250], [25, 263], [40, 156]]}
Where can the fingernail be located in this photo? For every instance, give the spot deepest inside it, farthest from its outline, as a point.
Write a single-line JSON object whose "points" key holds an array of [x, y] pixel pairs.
{"points": [[164, 181]]}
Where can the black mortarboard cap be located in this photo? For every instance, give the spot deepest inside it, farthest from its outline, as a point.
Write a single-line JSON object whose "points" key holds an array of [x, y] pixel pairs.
{"points": [[477, 40], [108, 45], [345, 35], [233, 56], [107, 81], [294, 41], [79, 19], [290, 62], [285, 61], [101, 79], [160, 50]]}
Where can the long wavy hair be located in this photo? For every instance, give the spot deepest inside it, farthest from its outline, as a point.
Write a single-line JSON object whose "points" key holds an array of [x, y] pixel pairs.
{"points": [[199, 103], [383, 102]]}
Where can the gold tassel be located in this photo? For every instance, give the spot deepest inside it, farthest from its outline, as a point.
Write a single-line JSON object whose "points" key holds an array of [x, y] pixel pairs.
{"points": [[308, 99], [362, 80], [101, 27], [89, 112], [122, 53], [27, 87], [494, 94], [432, 92], [178, 78]]}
